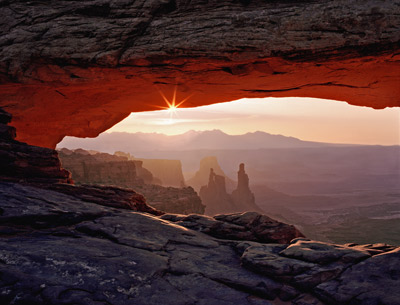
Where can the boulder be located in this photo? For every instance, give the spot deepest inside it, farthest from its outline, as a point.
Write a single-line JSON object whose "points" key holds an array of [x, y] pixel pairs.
{"points": [[250, 226]]}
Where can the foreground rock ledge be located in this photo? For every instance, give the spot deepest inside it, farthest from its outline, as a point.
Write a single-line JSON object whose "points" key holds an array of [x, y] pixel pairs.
{"points": [[79, 67], [58, 249]]}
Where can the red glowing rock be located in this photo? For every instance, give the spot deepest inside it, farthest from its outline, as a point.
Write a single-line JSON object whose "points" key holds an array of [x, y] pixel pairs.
{"points": [[77, 68]]}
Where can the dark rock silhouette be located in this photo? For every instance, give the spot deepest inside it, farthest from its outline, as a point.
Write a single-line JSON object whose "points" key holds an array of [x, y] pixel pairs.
{"points": [[23, 162], [216, 199], [201, 177], [242, 195], [214, 195]]}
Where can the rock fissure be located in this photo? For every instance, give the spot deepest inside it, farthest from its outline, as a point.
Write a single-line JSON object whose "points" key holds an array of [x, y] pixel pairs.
{"points": [[311, 85]]}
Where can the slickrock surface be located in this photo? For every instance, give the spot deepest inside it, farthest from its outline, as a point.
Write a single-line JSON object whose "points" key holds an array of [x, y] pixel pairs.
{"points": [[79, 67], [106, 196], [250, 226], [61, 249]]}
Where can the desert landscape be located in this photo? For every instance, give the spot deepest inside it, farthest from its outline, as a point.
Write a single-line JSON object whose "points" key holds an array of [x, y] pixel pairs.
{"points": [[338, 193], [199, 152]]}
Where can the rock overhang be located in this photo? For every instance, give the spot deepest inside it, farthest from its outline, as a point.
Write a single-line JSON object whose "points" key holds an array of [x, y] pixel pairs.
{"points": [[73, 68]]}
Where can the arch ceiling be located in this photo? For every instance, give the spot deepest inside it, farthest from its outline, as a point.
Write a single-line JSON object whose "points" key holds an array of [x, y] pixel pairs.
{"points": [[79, 67]]}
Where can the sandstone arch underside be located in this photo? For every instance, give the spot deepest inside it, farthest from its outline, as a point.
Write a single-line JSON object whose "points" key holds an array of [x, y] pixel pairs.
{"points": [[79, 67]]}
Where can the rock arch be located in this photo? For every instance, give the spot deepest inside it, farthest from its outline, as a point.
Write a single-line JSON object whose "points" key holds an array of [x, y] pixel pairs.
{"points": [[77, 68]]}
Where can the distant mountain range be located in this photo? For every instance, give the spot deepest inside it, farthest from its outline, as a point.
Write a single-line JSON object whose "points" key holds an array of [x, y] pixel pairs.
{"points": [[191, 140]]}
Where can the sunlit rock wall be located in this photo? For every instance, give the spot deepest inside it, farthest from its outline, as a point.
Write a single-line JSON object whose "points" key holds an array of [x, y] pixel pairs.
{"points": [[78, 67]]}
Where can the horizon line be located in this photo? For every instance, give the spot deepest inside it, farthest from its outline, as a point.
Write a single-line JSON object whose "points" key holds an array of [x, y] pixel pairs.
{"points": [[228, 134]]}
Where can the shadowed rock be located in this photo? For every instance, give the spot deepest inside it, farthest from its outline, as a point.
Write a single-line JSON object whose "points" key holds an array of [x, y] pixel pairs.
{"points": [[41, 167], [218, 201], [23, 162], [250, 226], [59, 248], [242, 195]]}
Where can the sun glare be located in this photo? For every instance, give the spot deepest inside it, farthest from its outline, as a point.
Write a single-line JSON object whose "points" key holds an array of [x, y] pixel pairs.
{"points": [[172, 109], [172, 105]]}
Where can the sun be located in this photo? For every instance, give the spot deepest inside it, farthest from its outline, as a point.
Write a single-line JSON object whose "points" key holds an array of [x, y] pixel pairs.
{"points": [[172, 105], [172, 108]]}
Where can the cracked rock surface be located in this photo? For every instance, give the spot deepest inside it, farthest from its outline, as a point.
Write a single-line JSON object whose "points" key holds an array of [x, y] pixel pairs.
{"points": [[56, 248], [58, 57]]}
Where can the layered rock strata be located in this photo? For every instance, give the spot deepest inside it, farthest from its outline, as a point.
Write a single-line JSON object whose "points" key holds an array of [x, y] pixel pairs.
{"points": [[99, 168], [120, 170], [57, 58], [41, 167], [141, 172]]}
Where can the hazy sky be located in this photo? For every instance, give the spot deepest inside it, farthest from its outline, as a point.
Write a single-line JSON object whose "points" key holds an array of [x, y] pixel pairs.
{"points": [[304, 118]]}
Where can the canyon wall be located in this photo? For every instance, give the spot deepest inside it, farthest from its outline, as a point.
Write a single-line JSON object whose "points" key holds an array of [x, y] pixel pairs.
{"points": [[141, 172], [120, 170], [167, 172], [77, 68], [38, 168], [99, 168]]}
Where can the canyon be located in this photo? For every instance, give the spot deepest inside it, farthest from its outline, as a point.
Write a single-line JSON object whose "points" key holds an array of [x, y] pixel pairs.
{"points": [[120, 170], [76, 68], [62, 244], [338, 193]]}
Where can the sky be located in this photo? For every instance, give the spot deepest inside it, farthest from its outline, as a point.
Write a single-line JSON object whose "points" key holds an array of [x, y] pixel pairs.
{"points": [[304, 118]]}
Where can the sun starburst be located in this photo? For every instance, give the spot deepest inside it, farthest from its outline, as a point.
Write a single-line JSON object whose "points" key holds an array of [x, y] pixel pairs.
{"points": [[173, 104]]}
